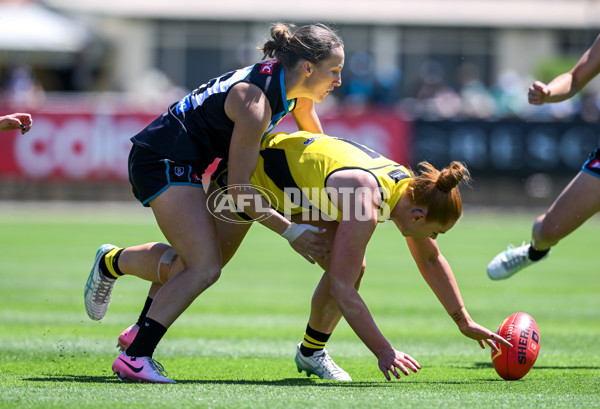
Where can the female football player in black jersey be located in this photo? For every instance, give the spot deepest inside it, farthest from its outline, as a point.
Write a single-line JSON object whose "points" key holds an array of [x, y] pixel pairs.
{"points": [[225, 118]]}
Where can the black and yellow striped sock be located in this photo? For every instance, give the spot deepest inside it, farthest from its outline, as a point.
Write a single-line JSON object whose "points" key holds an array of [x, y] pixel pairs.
{"points": [[313, 341], [109, 264]]}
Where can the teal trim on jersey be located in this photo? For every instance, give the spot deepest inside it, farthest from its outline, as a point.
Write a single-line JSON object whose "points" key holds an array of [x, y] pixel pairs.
{"points": [[286, 103]]}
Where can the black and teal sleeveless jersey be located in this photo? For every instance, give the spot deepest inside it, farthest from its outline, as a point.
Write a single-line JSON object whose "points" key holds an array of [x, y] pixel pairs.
{"points": [[196, 128]]}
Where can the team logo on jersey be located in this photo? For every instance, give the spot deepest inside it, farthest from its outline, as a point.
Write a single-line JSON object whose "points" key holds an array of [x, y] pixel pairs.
{"points": [[267, 68], [397, 175], [178, 170], [183, 105], [595, 164]]}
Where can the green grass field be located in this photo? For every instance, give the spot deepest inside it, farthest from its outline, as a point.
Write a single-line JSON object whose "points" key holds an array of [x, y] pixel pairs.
{"points": [[234, 347]]}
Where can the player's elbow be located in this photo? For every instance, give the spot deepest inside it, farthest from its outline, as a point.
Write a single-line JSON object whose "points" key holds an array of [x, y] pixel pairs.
{"points": [[360, 276]]}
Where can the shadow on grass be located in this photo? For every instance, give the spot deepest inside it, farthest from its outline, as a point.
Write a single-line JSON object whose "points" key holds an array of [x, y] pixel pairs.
{"points": [[281, 382], [74, 378], [485, 365]]}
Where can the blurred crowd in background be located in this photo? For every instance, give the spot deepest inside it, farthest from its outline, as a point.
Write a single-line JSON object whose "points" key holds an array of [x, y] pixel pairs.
{"points": [[415, 85], [460, 94], [430, 73], [437, 95]]}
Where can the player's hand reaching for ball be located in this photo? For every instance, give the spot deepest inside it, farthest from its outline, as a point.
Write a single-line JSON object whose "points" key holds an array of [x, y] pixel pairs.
{"points": [[482, 335], [538, 93], [392, 360]]}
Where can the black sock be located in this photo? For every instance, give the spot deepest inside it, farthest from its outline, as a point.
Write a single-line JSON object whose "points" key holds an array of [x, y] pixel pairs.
{"points": [[146, 340], [109, 264], [145, 310], [313, 341], [535, 255]]}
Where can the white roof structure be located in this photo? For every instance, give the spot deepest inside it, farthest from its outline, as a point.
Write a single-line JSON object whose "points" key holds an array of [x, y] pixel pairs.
{"points": [[481, 13], [32, 27]]}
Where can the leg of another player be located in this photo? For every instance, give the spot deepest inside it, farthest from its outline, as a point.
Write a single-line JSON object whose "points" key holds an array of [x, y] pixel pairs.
{"points": [[324, 312], [153, 262], [184, 219], [230, 234], [311, 355], [158, 262], [579, 201]]}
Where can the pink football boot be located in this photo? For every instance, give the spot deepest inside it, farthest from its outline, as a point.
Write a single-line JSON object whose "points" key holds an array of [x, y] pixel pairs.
{"points": [[140, 369], [127, 337]]}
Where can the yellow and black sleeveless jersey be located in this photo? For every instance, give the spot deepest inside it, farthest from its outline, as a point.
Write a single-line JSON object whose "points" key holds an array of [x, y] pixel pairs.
{"points": [[294, 169]]}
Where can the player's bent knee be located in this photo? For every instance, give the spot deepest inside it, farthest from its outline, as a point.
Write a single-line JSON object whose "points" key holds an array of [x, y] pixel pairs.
{"points": [[164, 270], [212, 276], [203, 277]]}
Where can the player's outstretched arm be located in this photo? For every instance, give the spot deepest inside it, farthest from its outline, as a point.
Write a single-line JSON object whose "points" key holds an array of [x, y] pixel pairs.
{"points": [[437, 273], [567, 84], [347, 254], [346, 260]]}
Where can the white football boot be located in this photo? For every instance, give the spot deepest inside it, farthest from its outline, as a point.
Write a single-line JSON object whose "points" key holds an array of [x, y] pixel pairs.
{"points": [[510, 261], [321, 365], [98, 287]]}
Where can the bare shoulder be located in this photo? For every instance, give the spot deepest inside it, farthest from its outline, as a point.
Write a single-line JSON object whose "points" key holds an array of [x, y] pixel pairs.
{"points": [[246, 100], [245, 90], [352, 178]]}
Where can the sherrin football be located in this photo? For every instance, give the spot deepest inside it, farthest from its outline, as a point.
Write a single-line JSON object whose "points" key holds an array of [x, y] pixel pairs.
{"points": [[521, 330]]}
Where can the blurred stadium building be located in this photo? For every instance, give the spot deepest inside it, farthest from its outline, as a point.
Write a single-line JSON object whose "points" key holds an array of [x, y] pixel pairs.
{"points": [[424, 80]]}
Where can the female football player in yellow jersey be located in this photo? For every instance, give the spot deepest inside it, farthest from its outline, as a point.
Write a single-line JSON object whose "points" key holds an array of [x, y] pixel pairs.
{"points": [[353, 189]]}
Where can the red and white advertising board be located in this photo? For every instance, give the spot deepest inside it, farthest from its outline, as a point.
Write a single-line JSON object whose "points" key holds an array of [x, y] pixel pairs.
{"points": [[94, 146]]}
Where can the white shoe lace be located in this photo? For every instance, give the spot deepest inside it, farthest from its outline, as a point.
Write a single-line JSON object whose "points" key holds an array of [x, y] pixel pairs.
{"points": [[105, 286], [513, 259], [325, 362], [157, 366]]}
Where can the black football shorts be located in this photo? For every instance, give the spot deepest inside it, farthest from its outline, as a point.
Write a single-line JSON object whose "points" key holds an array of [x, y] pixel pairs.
{"points": [[151, 174]]}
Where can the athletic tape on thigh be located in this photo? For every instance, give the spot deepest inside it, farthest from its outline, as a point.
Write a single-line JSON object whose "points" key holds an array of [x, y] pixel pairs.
{"points": [[167, 258]]}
